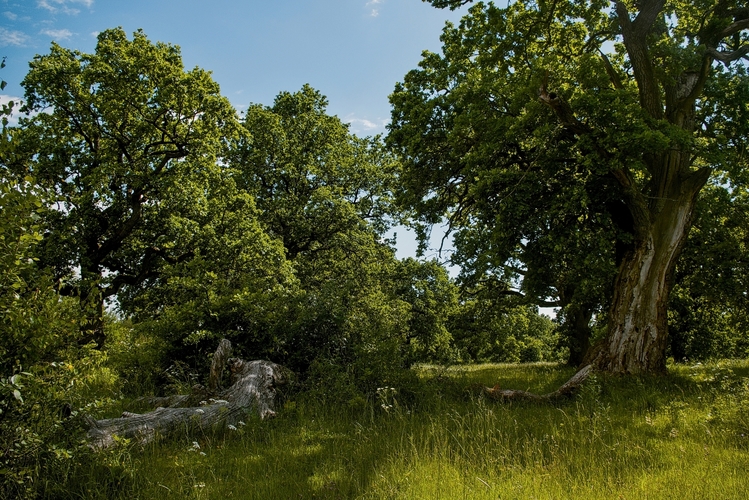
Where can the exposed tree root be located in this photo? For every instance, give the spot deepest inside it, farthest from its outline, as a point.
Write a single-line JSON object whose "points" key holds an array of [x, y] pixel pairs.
{"points": [[566, 390]]}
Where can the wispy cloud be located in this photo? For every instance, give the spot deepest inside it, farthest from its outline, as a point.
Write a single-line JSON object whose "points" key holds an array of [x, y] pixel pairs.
{"points": [[11, 37], [55, 6], [375, 9], [10, 15], [364, 126], [57, 34]]}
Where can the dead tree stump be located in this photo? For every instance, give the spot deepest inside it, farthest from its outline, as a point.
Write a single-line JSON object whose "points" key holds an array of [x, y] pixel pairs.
{"points": [[253, 388]]}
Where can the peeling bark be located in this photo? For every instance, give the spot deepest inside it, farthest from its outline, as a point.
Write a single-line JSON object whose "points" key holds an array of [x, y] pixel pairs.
{"points": [[638, 317], [253, 389]]}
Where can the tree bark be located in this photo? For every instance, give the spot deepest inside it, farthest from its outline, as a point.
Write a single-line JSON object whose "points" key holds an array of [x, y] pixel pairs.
{"points": [[638, 317], [91, 303], [253, 388], [661, 210]]}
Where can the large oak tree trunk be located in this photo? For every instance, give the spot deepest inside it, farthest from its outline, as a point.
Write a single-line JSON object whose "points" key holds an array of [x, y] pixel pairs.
{"points": [[638, 317]]}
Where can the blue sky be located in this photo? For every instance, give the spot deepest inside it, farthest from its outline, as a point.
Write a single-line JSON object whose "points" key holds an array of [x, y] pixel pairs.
{"points": [[353, 51]]}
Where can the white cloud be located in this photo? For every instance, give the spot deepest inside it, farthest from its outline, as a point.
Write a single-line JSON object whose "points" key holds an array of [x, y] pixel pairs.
{"points": [[10, 37], [5, 99], [57, 34], [10, 15], [364, 126], [375, 11], [55, 6]]}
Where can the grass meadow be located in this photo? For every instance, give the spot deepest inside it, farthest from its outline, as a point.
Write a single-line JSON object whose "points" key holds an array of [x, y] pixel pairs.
{"points": [[682, 436]]}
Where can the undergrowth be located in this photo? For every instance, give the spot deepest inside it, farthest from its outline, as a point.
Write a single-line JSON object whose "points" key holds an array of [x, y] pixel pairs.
{"points": [[434, 435]]}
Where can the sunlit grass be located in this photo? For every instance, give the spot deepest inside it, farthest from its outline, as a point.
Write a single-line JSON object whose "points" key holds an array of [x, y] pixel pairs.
{"points": [[682, 436]]}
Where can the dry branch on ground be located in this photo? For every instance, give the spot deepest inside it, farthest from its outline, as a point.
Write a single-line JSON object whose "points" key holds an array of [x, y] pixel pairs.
{"points": [[253, 388]]}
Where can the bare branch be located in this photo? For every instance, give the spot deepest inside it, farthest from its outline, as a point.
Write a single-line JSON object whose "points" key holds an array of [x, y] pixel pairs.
{"points": [[567, 389], [613, 75], [735, 27], [727, 57]]}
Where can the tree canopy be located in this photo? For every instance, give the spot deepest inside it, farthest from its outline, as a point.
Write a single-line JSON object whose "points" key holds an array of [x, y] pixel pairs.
{"points": [[117, 137], [577, 136], [588, 156]]}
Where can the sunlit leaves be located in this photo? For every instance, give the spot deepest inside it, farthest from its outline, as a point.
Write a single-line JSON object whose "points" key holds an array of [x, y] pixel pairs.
{"points": [[119, 136]]}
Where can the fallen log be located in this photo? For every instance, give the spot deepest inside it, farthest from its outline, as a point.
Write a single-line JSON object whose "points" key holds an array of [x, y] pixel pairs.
{"points": [[253, 388], [567, 389]]}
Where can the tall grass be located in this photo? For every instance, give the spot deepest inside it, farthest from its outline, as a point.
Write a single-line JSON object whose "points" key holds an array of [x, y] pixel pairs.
{"points": [[680, 436]]}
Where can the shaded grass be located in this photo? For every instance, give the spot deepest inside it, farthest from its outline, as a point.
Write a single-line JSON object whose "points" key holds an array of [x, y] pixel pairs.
{"points": [[680, 436]]}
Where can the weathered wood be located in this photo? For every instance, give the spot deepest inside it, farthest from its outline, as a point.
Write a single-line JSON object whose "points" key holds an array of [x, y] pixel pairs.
{"points": [[253, 388], [566, 390], [222, 355]]}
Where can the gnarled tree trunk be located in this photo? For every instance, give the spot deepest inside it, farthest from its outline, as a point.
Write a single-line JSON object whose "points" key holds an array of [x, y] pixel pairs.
{"points": [[638, 321], [253, 388]]}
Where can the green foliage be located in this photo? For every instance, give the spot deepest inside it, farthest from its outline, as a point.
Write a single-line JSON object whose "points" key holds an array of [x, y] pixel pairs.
{"points": [[547, 133], [45, 380], [487, 332], [290, 261], [708, 307], [140, 184], [433, 299], [25, 293], [233, 284], [452, 4], [479, 149], [313, 181], [325, 195], [116, 137], [40, 429]]}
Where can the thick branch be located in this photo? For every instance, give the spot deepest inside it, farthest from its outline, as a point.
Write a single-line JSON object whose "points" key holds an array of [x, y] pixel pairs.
{"points": [[635, 40], [728, 57], [735, 27], [616, 81], [563, 111]]}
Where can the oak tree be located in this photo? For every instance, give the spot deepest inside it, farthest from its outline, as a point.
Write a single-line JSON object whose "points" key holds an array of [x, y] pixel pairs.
{"points": [[116, 136], [615, 103]]}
